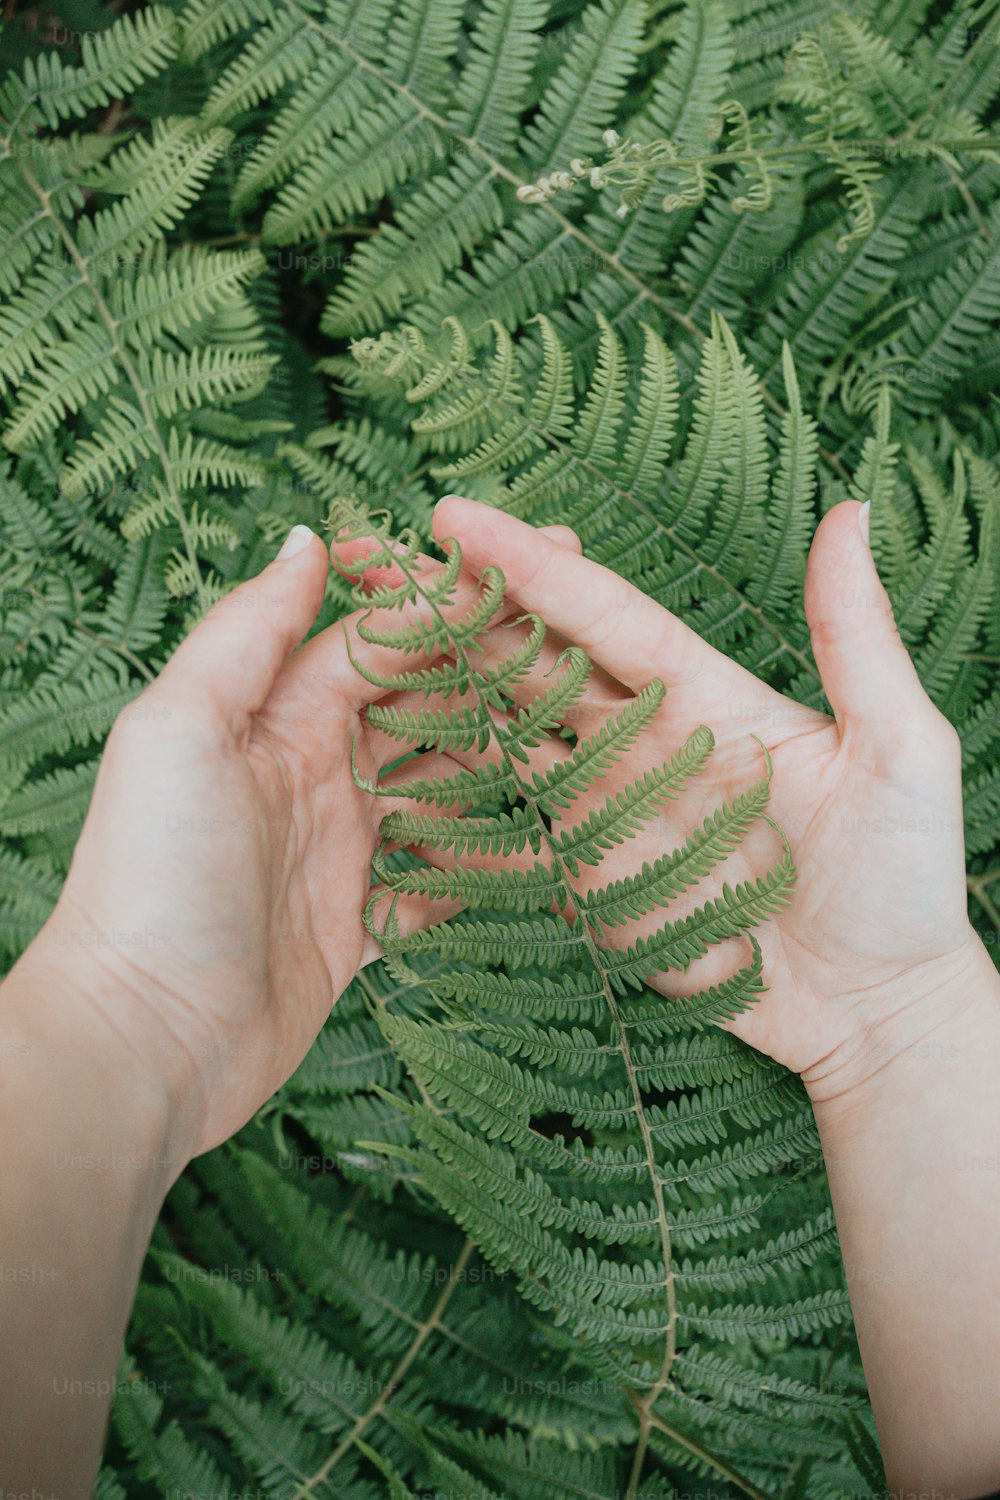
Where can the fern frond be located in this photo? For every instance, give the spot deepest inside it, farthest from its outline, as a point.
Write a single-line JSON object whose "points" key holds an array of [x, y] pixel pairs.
{"points": [[540, 967], [113, 62]]}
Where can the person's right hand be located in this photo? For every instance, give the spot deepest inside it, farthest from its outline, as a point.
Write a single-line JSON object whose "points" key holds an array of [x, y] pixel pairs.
{"points": [[876, 940], [213, 910]]}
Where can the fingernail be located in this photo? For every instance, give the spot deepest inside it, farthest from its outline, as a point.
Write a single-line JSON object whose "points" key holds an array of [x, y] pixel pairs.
{"points": [[864, 520], [448, 497], [297, 538]]}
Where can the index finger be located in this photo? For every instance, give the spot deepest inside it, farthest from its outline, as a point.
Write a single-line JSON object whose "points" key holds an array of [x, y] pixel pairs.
{"points": [[327, 650], [620, 627]]}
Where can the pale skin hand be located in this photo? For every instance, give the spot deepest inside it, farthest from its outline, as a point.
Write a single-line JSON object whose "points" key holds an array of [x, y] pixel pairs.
{"points": [[211, 916], [839, 790], [880, 993]]}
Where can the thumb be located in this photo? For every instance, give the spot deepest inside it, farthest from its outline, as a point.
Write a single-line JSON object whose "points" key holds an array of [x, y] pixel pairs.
{"points": [[866, 670], [232, 657], [563, 536]]}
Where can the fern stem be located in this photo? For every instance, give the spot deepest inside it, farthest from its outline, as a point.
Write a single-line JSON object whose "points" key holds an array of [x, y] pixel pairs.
{"points": [[119, 648], [719, 1465], [641, 1446], [424, 1332], [849, 144], [110, 323], [380, 1002]]}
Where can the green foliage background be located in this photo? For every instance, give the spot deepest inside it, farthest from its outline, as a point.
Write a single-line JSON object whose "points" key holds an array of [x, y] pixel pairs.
{"points": [[201, 206]]}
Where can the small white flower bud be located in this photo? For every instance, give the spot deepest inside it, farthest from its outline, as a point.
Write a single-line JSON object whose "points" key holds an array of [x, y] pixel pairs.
{"points": [[596, 177], [576, 167], [611, 139], [622, 211], [527, 192]]}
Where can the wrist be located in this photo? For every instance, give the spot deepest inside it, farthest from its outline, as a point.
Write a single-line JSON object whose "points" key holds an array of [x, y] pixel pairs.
{"points": [[63, 1029], [906, 1030], [909, 1118], [90, 1155]]}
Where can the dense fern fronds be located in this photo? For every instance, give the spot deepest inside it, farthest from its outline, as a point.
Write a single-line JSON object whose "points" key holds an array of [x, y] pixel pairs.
{"points": [[694, 518], [285, 1324], [201, 198], [101, 323], [852, 85]]}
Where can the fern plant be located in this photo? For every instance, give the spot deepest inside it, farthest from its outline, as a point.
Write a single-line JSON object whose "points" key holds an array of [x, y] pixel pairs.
{"points": [[593, 1217]]}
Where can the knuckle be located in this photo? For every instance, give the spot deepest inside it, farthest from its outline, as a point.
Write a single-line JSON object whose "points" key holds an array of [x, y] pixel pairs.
{"points": [[943, 735], [931, 742], [608, 620], [534, 568], [831, 630], [128, 722]]}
